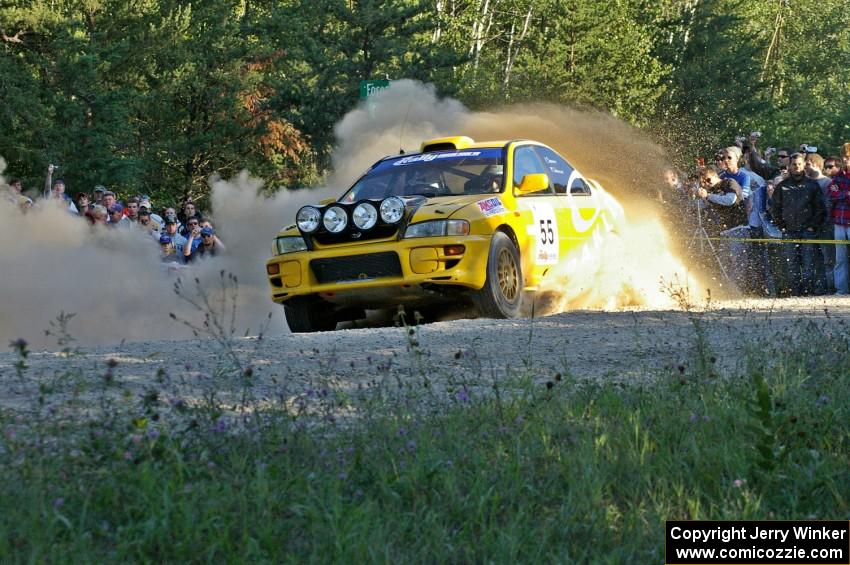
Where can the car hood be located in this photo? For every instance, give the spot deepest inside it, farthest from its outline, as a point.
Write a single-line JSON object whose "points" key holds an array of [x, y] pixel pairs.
{"points": [[442, 207], [436, 208]]}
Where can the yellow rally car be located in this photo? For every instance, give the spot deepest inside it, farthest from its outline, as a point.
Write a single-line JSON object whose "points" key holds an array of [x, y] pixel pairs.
{"points": [[458, 222]]}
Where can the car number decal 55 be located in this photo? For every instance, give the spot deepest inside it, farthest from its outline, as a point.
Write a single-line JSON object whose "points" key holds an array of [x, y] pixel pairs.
{"points": [[545, 232]]}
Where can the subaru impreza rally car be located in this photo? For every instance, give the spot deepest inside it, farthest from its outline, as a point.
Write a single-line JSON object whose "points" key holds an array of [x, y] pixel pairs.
{"points": [[459, 223]]}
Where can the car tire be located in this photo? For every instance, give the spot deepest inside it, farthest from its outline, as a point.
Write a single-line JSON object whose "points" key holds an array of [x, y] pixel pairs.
{"points": [[501, 296], [305, 315]]}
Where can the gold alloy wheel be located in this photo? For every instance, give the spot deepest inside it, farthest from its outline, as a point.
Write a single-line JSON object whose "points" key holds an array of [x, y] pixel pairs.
{"points": [[508, 275]]}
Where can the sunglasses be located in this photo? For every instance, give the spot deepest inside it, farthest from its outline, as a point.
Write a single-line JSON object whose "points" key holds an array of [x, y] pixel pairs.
{"points": [[192, 223], [782, 156]]}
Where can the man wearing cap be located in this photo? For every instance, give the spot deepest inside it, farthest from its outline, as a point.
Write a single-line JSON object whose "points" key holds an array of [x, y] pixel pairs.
{"points": [[145, 202], [117, 219], [146, 223], [210, 245], [58, 193], [170, 229], [82, 202], [99, 191], [169, 254]]}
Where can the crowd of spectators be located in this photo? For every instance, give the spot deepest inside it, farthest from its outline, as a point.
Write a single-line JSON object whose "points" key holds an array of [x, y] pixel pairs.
{"points": [[775, 229], [183, 236]]}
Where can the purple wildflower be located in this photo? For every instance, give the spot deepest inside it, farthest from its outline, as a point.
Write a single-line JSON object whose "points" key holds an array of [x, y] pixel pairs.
{"points": [[220, 426]]}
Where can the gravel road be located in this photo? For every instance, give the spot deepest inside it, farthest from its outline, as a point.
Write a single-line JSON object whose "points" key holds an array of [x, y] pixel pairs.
{"points": [[624, 345]]}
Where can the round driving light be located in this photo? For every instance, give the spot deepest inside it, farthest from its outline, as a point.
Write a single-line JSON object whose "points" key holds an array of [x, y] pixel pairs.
{"points": [[335, 219], [307, 219], [365, 215], [392, 209]]}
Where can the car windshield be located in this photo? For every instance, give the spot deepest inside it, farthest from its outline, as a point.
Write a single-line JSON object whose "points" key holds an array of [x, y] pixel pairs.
{"points": [[441, 173]]}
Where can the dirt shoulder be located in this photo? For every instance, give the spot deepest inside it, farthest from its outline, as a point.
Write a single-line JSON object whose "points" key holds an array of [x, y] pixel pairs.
{"points": [[625, 345]]}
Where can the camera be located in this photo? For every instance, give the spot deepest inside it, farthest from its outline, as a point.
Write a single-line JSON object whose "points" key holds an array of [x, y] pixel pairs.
{"points": [[740, 139], [808, 148], [755, 134]]}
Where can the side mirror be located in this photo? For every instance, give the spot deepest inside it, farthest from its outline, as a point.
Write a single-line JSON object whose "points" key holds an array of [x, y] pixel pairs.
{"points": [[533, 183]]}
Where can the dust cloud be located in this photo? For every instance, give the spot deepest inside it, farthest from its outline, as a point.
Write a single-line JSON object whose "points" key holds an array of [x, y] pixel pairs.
{"points": [[637, 268], [114, 284]]}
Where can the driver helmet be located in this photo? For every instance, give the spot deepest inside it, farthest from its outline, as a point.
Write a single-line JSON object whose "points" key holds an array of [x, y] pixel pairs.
{"points": [[492, 175]]}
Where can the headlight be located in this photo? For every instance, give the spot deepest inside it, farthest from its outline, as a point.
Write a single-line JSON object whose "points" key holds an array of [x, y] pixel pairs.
{"points": [[392, 210], [365, 216], [437, 228], [307, 219], [335, 219], [289, 244]]}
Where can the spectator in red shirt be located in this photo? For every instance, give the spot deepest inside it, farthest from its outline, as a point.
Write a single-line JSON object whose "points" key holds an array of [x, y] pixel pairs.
{"points": [[839, 194]]}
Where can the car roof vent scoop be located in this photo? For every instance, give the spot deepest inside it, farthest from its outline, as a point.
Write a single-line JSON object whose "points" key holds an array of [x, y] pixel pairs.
{"points": [[446, 143]]}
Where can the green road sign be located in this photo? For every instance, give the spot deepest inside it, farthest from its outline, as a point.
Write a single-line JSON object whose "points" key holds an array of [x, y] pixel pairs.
{"points": [[370, 87]]}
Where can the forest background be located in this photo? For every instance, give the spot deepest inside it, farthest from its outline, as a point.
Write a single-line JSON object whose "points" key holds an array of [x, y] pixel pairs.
{"points": [[154, 96]]}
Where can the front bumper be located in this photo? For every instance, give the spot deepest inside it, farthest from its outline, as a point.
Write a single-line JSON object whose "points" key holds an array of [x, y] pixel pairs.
{"points": [[422, 263]]}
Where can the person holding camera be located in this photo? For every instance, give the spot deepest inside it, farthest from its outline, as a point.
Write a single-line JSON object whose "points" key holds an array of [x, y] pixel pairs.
{"points": [[723, 199], [193, 238], [839, 195], [762, 166], [798, 210], [57, 191]]}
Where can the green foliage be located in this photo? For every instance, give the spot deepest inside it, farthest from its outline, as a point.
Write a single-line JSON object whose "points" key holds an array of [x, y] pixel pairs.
{"points": [[157, 95]]}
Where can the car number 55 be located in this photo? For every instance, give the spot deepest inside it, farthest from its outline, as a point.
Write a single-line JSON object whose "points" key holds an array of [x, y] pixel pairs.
{"points": [[546, 252]]}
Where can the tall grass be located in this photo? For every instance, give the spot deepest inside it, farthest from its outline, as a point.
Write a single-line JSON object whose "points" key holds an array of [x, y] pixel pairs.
{"points": [[475, 470]]}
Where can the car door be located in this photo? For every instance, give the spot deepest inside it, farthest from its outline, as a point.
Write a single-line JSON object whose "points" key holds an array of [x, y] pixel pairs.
{"points": [[540, 212], [579, 212]]}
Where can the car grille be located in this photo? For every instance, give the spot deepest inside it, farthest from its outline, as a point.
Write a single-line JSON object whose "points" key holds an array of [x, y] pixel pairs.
{"points": [[352, 234], [356, 267]]}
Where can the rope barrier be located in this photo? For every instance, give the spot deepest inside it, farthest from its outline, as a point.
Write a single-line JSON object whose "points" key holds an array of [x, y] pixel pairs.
{"points": [[777, 240]]}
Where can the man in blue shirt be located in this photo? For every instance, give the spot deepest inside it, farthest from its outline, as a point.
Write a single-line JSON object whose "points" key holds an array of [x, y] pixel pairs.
{"points": [[749, 257]]}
